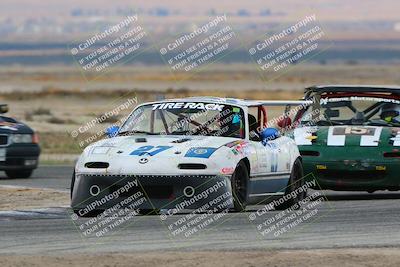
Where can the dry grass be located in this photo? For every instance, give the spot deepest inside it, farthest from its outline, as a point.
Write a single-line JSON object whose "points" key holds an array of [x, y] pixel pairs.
{"points": [[31, 198], [143, 95], [389, 257], [60, 142]]}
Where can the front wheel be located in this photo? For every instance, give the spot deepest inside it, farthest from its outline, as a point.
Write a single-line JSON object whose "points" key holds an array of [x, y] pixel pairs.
{"points": [[72, 184], [19, 173], [92, 213], [295, 182], [239, 184]]}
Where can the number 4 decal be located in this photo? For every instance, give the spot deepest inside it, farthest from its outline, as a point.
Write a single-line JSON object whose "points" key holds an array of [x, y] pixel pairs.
{"points": [[148, 150]]}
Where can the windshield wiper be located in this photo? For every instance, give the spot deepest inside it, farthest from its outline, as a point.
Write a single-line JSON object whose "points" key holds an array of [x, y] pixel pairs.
{"points": [[136, 132]]}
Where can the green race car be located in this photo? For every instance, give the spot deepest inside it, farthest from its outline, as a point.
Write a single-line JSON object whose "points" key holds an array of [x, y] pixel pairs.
{"points": [[349, 137]]}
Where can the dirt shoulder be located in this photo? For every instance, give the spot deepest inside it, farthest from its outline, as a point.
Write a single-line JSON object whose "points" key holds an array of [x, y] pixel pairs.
{"points": [[23, 198], [310, 258]]}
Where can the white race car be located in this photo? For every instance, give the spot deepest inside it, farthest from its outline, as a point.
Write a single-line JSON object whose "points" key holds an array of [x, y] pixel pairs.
{"points": [[187, 154]]}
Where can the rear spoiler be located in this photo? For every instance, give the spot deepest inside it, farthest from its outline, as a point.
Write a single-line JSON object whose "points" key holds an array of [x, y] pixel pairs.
{"points": [[3, 108]]}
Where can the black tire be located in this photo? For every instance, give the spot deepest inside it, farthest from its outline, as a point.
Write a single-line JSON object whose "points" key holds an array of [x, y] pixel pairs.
{"points": [[239, 184], [72, 183], [296, 181], [19, 173], [92, 213]]}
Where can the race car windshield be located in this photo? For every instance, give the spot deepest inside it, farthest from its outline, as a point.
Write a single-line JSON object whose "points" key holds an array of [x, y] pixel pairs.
{"points": [[355, 111], [186, 118]]}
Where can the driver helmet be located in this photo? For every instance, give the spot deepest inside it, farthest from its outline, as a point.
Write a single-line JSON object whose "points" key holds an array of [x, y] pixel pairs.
{"points": [[390, 113], [230, 120]]}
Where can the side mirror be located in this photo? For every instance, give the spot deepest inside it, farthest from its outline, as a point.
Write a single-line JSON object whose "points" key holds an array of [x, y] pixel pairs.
{"points": [[269, 134], [3, 108], [112, 131]]}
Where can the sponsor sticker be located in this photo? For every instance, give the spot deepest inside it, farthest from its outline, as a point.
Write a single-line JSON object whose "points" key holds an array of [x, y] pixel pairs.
{"points": [[353, 130], [188, 105]]}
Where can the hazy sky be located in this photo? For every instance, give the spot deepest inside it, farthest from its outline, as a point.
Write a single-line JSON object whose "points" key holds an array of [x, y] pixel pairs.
{"points": [[344, 10]]}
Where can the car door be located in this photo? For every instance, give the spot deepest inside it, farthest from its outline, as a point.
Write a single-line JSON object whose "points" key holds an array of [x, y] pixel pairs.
{"points": [[280, 154], [283, 118], [265, 155], [271, 174], [274, 155]]}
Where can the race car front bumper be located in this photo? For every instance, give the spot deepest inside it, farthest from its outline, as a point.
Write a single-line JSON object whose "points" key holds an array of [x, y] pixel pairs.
{"points": [[102, 192], [19, 157], [354, 175]]}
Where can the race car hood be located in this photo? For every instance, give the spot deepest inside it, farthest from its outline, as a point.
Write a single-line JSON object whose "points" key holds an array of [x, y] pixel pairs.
{"points": [[11, 126], [348, 135], [155, 154], [176, 142]]}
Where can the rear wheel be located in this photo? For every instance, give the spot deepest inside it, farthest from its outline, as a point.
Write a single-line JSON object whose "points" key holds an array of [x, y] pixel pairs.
{"points": [[239, 184], [295, 182], [19, 173]]}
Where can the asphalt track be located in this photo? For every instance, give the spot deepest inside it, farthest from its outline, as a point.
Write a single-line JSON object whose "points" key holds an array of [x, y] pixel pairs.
{"points": [[345, 220], [54, 177]]}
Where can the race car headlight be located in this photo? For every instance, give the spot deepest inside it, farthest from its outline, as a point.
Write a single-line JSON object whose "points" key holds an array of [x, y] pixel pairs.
{"points": [[21, 138], [200, 152]]}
